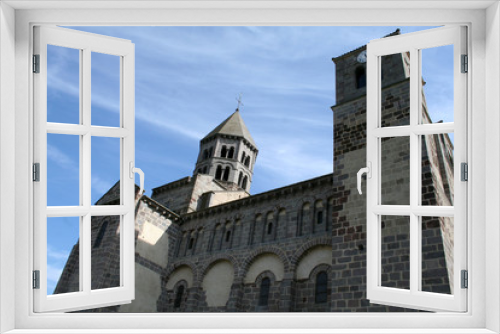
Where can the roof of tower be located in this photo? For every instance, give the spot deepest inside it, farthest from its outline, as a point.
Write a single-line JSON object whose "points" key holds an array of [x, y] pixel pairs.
{"points": [[233, 126]]}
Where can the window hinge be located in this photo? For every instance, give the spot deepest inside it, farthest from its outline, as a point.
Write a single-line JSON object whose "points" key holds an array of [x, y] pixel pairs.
{"points": [[36, 279], [36, 63], [465, 279], [36, 172], [464, 171], [465, 64]]}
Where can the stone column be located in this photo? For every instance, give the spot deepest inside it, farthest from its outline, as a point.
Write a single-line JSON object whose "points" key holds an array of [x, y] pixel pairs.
{"points": [[286, 293], [233, 304], [193, 298]]}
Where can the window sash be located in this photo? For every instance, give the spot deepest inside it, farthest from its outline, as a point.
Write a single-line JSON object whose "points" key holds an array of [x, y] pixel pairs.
{"points": [[413, 298], [87, 43]]}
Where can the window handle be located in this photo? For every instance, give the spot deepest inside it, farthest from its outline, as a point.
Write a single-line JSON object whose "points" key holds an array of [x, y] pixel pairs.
{"points": [[368, 171], [134, 170]]}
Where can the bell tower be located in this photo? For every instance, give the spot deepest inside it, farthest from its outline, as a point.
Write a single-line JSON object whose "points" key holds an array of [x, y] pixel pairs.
{"points": [[228, 154]]}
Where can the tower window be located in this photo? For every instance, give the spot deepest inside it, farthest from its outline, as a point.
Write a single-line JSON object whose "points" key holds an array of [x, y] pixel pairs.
{"points": [[265, 285], [226, 174], [244, 183], [319, 218], [243, 157], [270, 228], [240, 178], [231, 152], [218, 173], [360, 77], [178, 296], [223, 152], [228, 236], [247, 161]]}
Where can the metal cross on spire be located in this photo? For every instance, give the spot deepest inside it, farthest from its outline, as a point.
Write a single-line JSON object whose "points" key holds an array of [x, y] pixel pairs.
{"points": [[239, 102]]}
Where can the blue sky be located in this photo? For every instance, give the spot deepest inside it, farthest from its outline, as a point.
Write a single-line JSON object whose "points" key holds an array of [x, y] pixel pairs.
{"points": [[187, 82]]}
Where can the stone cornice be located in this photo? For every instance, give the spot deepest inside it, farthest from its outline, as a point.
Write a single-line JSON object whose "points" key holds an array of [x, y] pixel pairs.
{"points": [[160, 209], [172, 185], [258, 198]]}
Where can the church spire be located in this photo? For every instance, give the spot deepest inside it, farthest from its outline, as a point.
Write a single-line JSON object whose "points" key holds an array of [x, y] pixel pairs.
{"points": [[228, 153], [232, 126]]}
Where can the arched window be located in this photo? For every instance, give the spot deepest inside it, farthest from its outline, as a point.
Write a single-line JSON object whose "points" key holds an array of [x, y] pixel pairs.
{"points": [[247, 161], [321, 294], [240, 178], [226, 173], [100, 236], [243, 157], [205, 154], [178, 296], [231, 152], [265, 285], [210, 152], [199, 171], [218, 173], [191, 243], [205, 170], [319, 217], [244, 183], [360, 77], [228, 236], [223, 152], [269, 228]]}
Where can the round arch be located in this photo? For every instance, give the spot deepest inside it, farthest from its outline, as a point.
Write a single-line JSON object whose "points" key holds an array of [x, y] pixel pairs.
{"points": [[262, 251]]}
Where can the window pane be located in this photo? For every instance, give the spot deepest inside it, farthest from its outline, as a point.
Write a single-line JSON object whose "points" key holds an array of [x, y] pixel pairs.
{"points": [[105, 90], [63, 85], [437, 254], [437, 80], [106, 247], [63, 255], [395, 170], [437, 170], [63, 170], [105, 170], [395, 232], [395, 102]]}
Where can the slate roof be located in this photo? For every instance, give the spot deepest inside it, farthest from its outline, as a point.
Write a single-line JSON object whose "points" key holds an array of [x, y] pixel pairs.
{"points": [[233, 126]]}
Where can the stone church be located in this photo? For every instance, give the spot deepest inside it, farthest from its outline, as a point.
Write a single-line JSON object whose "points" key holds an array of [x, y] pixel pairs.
{"points": [[205, 244]]}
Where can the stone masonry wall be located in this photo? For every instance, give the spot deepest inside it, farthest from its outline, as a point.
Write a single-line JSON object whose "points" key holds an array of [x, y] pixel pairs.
{"points": [[240, 232], [349, 221], [156, 235], [176, 195]]}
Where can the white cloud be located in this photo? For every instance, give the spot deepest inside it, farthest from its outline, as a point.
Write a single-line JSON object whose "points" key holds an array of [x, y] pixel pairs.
{"points": [[56, 260], [57, 254], [53, 275], [291, 160], [60, 158], [100, 186]]}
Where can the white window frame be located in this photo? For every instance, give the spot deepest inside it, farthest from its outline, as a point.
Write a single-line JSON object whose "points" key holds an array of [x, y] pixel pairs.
{"points": [[483, 19], [414, 297], [86, 44]]}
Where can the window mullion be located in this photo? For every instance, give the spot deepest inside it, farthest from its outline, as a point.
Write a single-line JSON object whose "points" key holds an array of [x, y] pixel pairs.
{"points": [[414, 170], [85, 167]]}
